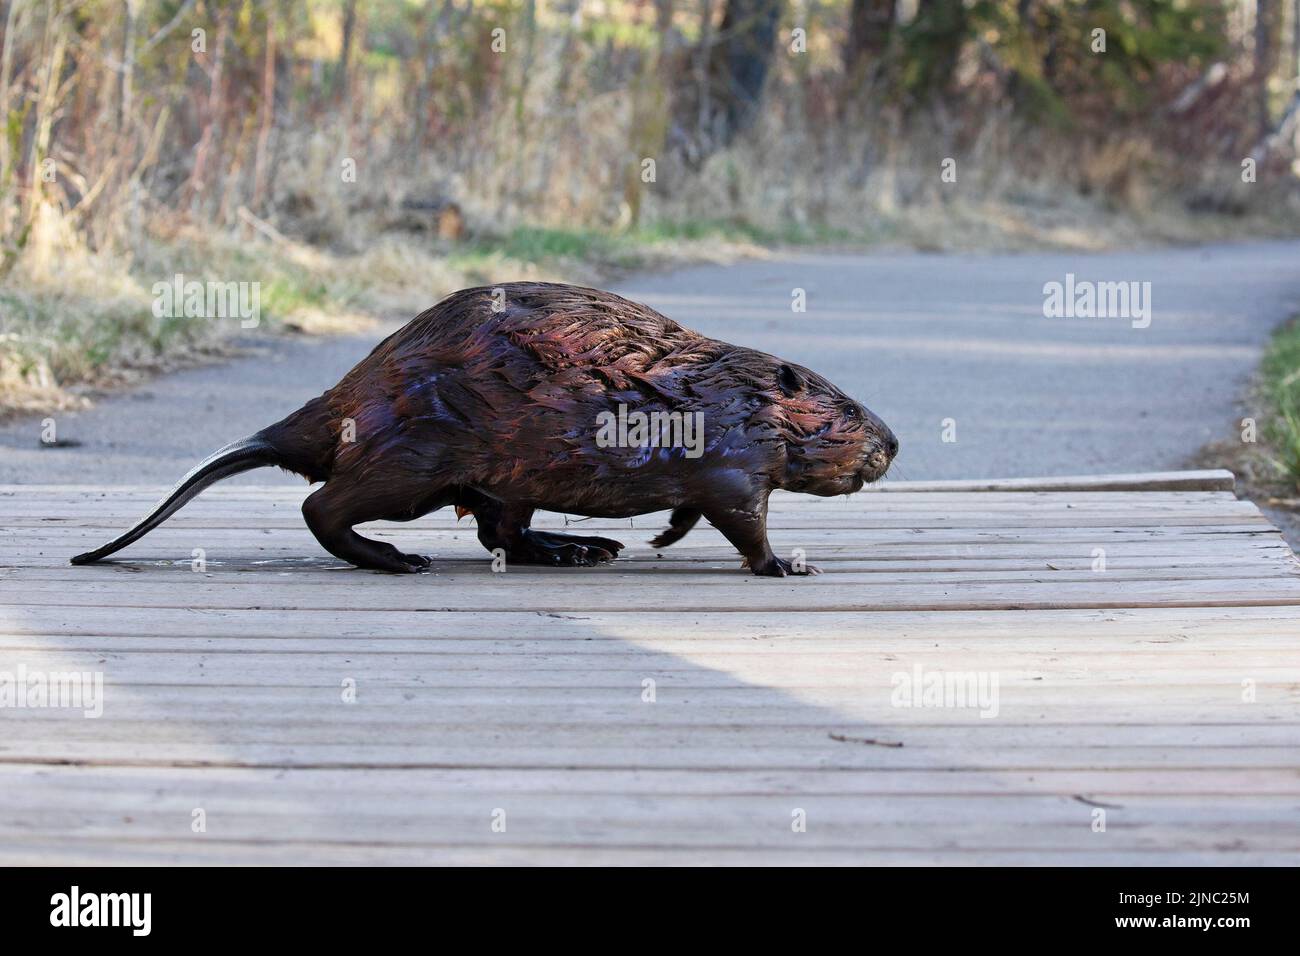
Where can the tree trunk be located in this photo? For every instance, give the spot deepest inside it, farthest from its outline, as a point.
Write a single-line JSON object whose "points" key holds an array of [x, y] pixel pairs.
{"points": [[1295, 42], [741, 60], [1268, 42], [437, 26], [268, 111], [871, 25], [936, 36], [6, 76], [1024, 16], [215, 108], [46, 103], [127, 76], [704, 55], [650, 109], [1295, 68], [344, 81]]}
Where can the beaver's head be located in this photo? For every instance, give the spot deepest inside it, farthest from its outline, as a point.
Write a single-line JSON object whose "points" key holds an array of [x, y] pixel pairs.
{"points": [[834, 445]]}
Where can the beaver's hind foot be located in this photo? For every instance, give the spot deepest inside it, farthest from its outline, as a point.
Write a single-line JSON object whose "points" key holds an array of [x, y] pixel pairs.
{"points": [[330, 513], [561, 550], [504, 527]]}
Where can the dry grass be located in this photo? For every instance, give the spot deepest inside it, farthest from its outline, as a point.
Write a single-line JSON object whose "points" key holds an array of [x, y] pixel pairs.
{"points": [[879, 182], [73, 321]]}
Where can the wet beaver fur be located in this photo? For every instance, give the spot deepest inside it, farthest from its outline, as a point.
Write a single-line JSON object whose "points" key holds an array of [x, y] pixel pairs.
{"points": [[490, 400]]}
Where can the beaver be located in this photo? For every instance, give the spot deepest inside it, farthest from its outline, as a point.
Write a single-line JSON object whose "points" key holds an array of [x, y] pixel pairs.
{"points": [[489, 402]]}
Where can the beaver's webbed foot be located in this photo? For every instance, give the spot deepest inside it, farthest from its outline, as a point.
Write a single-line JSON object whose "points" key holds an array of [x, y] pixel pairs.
{"points": [[608, 545], [780, 567], [504, 527], [561, 550], [379, 556]]}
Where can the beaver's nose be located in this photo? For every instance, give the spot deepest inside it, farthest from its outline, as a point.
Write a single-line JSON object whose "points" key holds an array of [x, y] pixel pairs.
{"points": [[891, 444], [888, 441]]}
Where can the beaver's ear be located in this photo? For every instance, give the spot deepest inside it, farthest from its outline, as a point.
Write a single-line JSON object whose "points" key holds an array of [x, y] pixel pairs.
{"points": [[790, 381]]}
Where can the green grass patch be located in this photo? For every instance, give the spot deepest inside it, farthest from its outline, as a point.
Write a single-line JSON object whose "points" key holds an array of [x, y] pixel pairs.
{"points": [[285, 294], [534, 244], [1280, 371], [556, 247]]}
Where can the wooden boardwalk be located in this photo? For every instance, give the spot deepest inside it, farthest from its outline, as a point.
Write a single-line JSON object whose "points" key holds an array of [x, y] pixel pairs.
{"points": [[966, 683]]}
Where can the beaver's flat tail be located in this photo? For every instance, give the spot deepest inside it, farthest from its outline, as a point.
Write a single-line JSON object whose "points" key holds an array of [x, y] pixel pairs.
{"points": [[243, 455]]}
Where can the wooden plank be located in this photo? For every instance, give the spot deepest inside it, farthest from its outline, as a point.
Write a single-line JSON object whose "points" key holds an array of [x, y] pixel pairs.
{"points": [[631, 747], [956, 628], [1099, 708], [927, 745], [850, 508], [721, 652], [871, 712], [64, 782], [283, 507], [1125, 774], [861, 542], [769, 823], [172, 545], [89, 851], [606, 590], [1204, 480], [1066, 519], [286, 495], [1200, 485], [841, 559], [820, 663], [650, 572], [289, 498]]}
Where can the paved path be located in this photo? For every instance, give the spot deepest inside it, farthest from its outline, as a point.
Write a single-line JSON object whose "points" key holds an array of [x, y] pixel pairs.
{"points": [[920, 338]]}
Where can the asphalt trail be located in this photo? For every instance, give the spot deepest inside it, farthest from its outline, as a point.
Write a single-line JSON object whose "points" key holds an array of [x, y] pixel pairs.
{"points": [[920, 338]]}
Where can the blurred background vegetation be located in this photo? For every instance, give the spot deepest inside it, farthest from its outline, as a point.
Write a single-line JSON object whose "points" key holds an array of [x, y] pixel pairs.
{"points": [[361, 155]]}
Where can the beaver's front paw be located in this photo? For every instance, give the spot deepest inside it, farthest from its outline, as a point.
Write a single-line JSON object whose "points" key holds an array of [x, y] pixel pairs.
{"points": [[779, 568]]}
